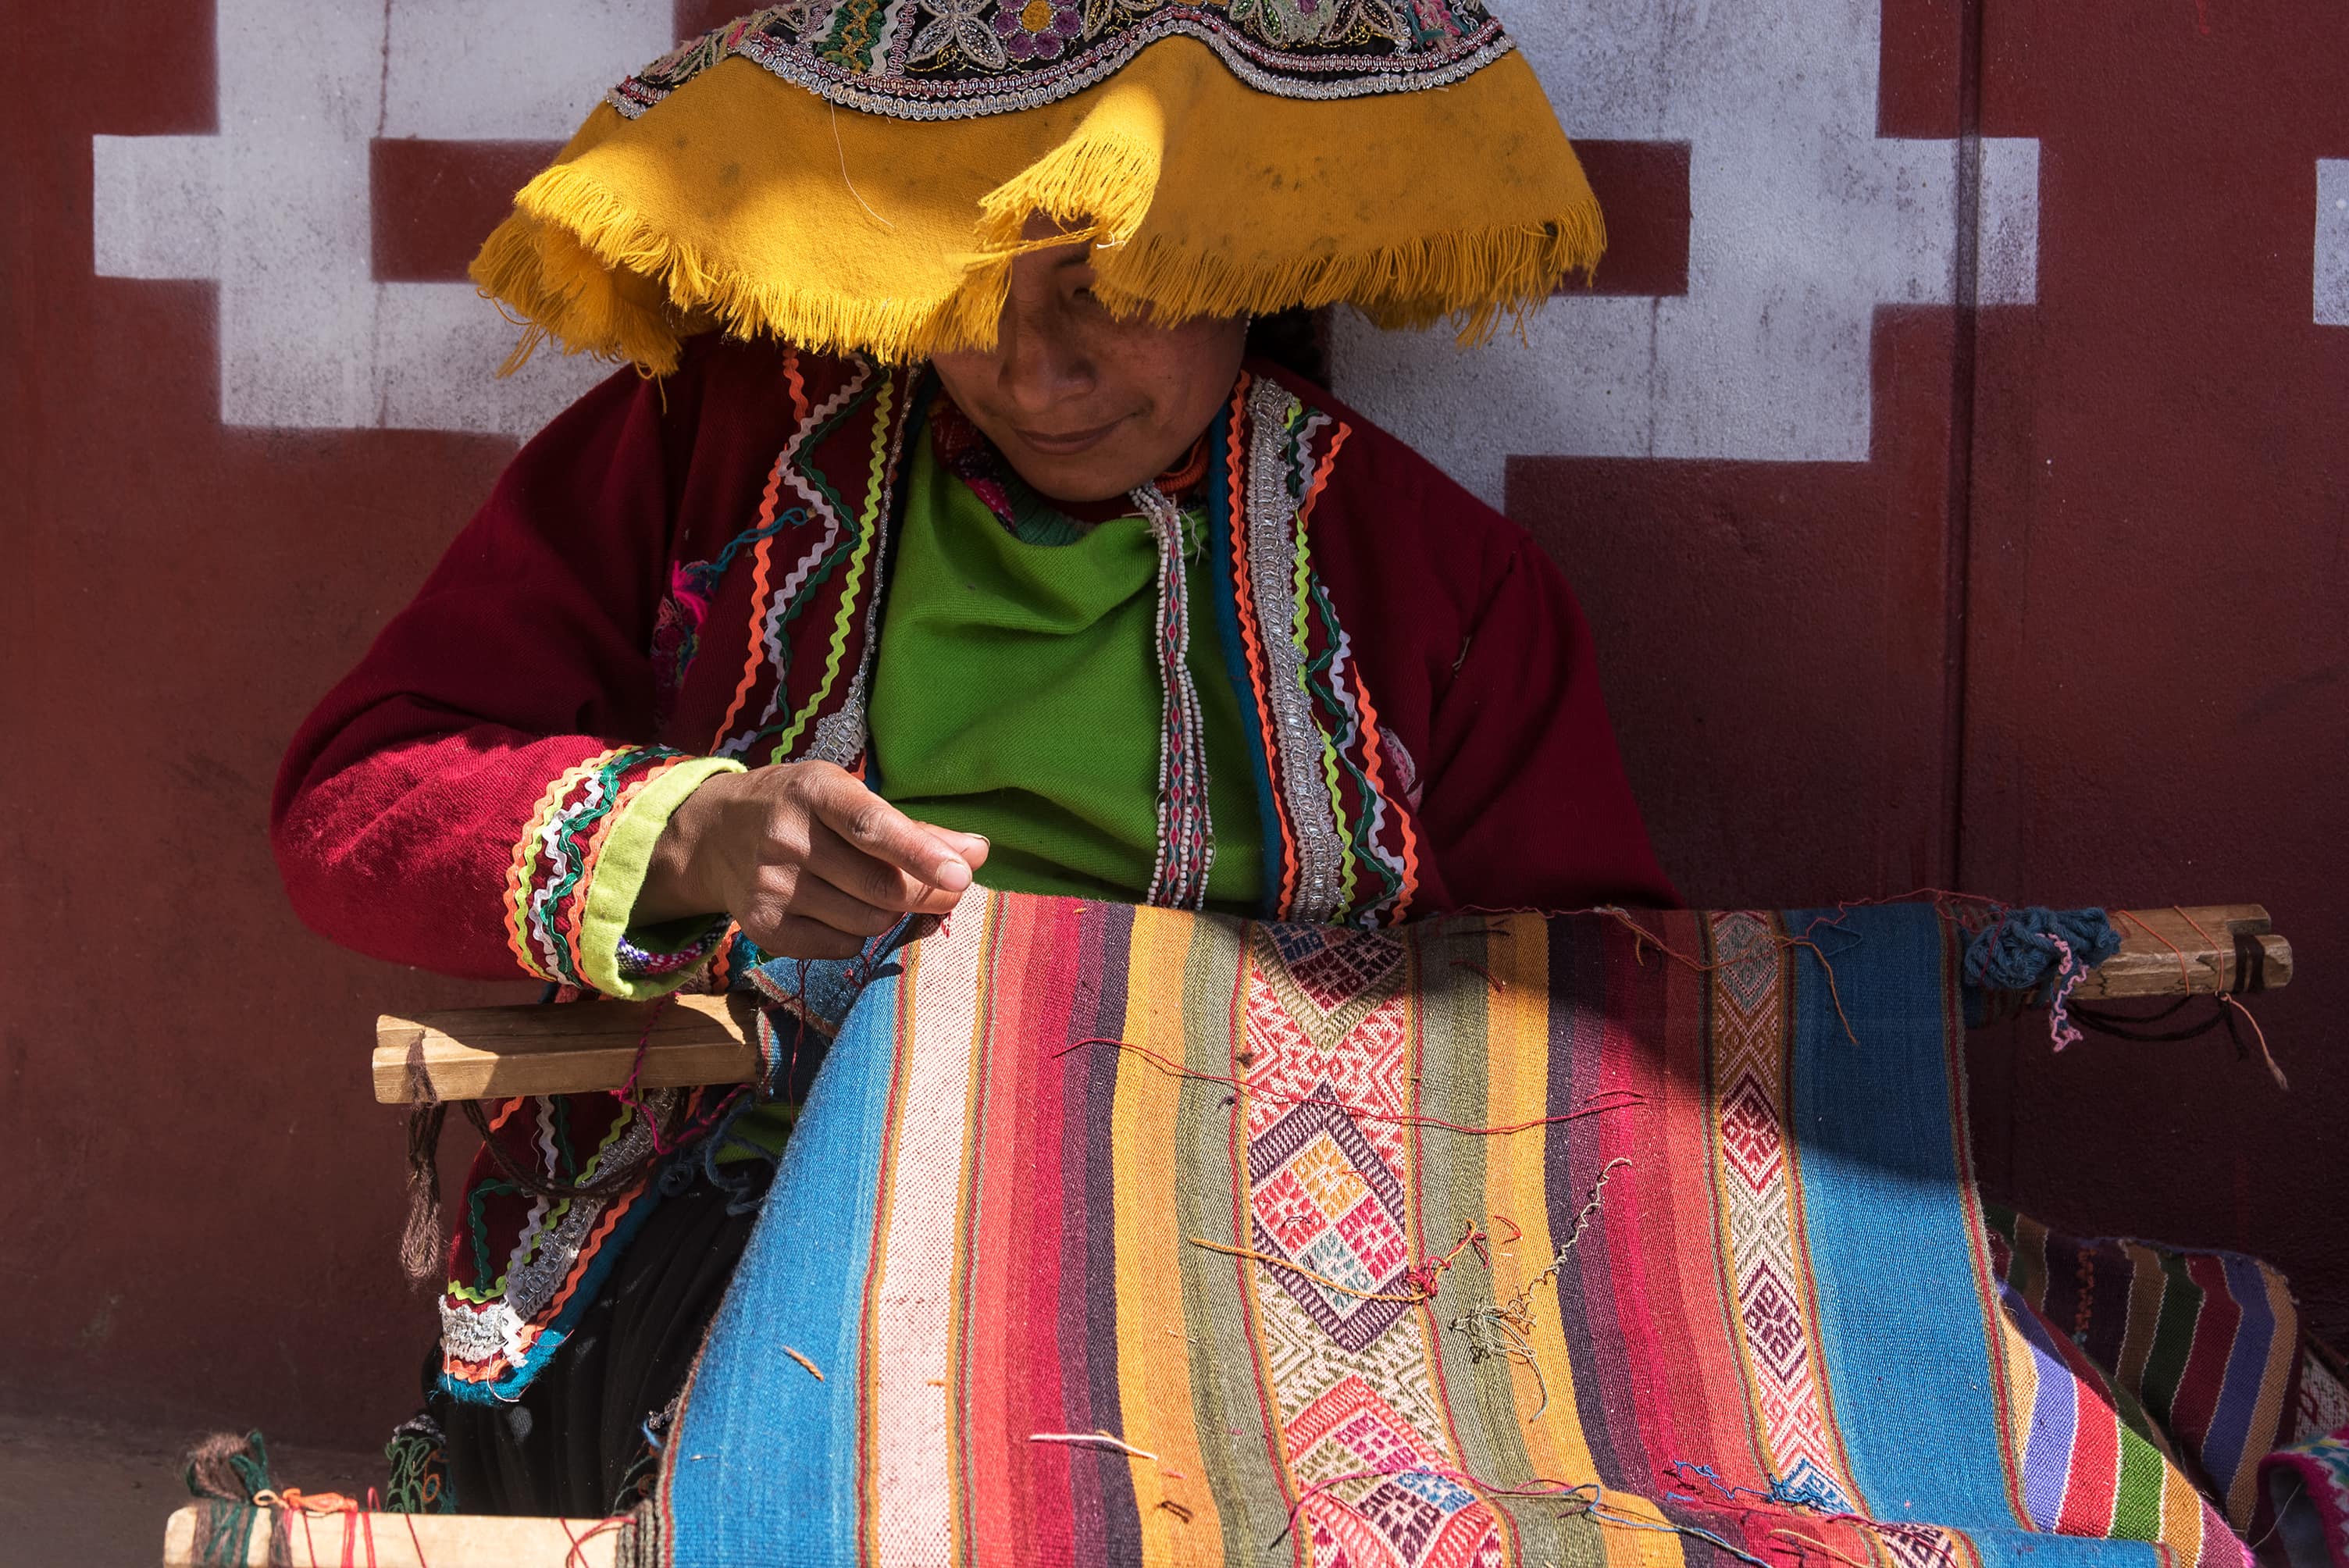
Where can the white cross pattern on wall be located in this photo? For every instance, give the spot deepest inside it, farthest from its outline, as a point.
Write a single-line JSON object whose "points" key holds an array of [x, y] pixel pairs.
{"points": [[275, 207], [1802, 220]]}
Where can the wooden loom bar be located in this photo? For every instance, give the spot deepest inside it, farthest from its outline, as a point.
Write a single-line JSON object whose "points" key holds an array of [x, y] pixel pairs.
{"points": [[2153, 940], [410, 1540], [494, 1053]]}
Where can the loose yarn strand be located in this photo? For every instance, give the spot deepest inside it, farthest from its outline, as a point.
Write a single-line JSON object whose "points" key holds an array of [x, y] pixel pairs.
{"points": [[1504, 1328], [1094, 1440], [1615, 1099], [421, 1238]]}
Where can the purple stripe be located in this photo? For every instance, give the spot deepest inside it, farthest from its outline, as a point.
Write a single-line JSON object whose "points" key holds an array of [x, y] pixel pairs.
{"points": [[1120, 1514], [2055, 1419], [1585, 1296], [2230, 1436]]}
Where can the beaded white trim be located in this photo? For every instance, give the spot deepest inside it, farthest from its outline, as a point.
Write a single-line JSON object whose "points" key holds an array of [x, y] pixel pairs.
{"points": [[1272, 568], [1186, 834]]}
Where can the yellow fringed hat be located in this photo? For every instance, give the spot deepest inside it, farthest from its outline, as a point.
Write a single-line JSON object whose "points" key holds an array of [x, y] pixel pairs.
{"points": [[855, 174]]}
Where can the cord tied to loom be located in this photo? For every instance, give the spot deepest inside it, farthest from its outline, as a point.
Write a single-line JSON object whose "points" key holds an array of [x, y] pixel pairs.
{"points": [[2041, 953]]}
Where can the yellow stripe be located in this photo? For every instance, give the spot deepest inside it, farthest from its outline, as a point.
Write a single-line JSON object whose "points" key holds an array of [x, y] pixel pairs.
{"points": [[2022, 1386], [868, 528], [2147, 1285], [1518, 1079], [2181, 1514], [1154, 1364]]}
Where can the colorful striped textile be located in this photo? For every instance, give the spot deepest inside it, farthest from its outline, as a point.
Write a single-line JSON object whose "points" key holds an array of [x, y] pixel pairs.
{"points": [[1116, 1235], [2197, 1348], [2308, 1489]]}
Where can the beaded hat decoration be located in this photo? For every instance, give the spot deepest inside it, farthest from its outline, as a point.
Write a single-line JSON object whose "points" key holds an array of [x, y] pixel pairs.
{"points": [[856, 174]]}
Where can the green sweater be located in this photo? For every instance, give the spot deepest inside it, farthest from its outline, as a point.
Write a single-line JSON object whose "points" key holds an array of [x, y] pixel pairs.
{"points": [[1017, 696]]}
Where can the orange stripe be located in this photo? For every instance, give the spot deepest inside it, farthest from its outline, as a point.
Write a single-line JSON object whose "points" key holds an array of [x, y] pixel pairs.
{"points": [[1374, 747], [1322, 474], [798, 383], [588, 1249], [760, 573]]}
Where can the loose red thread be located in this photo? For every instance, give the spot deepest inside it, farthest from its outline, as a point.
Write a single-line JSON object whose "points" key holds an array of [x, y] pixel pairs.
{"points": [[663, 1148], [1474, 967], [578, 1553], [2185, 973], [1641, 935], [1616, 1099]]}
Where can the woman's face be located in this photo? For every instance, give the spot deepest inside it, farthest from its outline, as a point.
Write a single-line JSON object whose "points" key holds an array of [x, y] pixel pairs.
{"points": [[1084, 405]]}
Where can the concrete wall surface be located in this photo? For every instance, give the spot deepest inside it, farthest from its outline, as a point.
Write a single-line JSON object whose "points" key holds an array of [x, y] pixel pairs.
{"points": [[1954, 456]]}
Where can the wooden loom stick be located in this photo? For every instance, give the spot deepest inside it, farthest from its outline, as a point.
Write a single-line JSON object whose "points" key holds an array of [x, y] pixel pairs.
{"points": [[411, 1541], [493, 1053], [2154, 940]]}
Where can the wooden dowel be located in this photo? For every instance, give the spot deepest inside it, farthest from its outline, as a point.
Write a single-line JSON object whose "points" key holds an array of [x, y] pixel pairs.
{"points": [[445, 1539], [493, 1053], [2153, 940]]}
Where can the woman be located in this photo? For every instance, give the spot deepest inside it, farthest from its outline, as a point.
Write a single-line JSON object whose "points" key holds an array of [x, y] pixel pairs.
{"points": [[952, 532]]}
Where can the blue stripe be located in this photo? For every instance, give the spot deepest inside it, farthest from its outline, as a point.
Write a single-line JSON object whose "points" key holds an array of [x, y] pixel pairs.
{"points": [[1906, 1347], [761, 1439]]}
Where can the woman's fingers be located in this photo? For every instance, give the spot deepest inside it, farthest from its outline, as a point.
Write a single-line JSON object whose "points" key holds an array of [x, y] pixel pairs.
{"points": [[795, 937], [820, 901], [878, 831], [833, 859], [974, 846]]}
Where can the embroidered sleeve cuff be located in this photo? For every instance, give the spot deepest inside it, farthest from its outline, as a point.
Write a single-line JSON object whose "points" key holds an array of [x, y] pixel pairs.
{"points": [[638, 964], [580, 861]]}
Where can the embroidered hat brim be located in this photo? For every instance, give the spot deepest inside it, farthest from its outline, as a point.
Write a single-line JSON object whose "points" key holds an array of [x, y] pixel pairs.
{"points": [[755, 183]]}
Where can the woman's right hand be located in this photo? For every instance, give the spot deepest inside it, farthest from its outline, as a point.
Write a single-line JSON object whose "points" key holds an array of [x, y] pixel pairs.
{"points": [[807, 861]]}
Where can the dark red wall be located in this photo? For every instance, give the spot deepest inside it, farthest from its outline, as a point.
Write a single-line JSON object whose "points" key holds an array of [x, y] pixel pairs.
{"points": [[2073, 630]]}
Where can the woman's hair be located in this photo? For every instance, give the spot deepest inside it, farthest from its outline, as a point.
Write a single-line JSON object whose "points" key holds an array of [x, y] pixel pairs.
{"points": [[1295, 340]]}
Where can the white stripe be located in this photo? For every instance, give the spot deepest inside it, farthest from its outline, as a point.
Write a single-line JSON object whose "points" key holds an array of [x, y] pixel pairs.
{"points": [[913, 1386]]}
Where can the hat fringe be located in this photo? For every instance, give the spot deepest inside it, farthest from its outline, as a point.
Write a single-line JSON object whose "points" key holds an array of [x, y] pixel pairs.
{"points": [[1476, 280], [565, 260], [1101, 184]]}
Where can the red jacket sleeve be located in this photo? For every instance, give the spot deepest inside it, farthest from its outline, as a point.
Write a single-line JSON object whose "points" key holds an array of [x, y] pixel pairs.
{"points": [[1527, 806], [445, 805]]}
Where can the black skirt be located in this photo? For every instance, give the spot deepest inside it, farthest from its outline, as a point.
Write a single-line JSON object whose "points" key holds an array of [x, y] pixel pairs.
{"points": [[576, 1444]]}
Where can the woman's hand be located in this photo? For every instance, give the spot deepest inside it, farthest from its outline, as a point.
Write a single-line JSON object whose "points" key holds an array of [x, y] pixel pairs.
{"points": [[807, 860]]}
